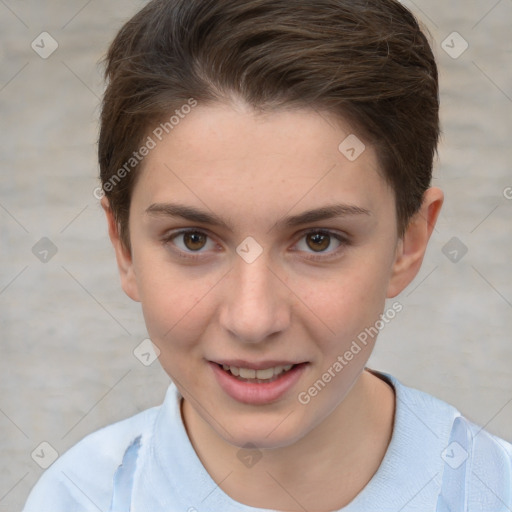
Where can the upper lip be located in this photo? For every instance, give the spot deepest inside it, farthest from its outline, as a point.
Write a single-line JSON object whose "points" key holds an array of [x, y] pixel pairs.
{"points": [[260, 365]]}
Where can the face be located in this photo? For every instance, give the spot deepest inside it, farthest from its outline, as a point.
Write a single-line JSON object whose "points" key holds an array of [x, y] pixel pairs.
{"points": [[232, 273]]}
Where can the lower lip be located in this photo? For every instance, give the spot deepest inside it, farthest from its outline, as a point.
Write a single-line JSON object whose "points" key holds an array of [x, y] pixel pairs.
{"points": [[254, 393]]}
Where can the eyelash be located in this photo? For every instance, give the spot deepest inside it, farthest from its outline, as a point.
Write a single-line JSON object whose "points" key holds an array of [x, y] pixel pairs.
{"points": [[344, 241]]}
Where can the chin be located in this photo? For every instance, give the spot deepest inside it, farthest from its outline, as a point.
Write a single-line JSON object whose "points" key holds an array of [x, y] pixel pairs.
{"points": [[263, 435]]}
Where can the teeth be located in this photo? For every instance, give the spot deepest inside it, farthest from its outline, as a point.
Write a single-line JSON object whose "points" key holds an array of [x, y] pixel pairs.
{"points": [[248, 373], [265, 374]]}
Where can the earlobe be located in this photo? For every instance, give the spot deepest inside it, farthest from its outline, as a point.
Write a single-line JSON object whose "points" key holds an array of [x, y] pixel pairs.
{"points": [[123, 256], [412, 247]]}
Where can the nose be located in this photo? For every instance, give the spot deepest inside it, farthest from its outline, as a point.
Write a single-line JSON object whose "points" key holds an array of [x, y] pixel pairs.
{"points": [[257, 301]]}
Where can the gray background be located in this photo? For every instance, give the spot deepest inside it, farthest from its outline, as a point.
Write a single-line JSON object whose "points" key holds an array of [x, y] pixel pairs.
{"points": [[68, 331]]}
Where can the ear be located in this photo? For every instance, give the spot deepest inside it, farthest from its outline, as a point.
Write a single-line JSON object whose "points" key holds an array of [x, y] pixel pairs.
{"points": [[412, 246], [123, 255]]}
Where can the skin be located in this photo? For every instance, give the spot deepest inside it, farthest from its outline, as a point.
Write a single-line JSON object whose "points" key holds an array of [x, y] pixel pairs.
{"points": [[253, 170]]}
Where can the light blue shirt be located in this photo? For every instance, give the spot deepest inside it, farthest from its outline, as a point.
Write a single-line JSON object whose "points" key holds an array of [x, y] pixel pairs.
{"points": [[436, 461]]}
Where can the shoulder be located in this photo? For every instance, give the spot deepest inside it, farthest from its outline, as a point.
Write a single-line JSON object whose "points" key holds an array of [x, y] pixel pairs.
{"points": [[476, 466], [489, 468], [420, 412], [82, 478]]}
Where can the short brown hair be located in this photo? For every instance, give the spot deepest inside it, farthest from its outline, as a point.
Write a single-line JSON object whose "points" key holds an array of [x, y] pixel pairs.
{"points": [[366, 61]]}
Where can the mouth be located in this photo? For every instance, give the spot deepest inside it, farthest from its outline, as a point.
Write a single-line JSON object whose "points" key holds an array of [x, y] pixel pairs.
{"points": [[260, 376], [268, 383]]}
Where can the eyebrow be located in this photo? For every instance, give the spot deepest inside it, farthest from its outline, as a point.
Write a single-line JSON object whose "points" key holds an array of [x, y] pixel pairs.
{"points": [[195, 215]]}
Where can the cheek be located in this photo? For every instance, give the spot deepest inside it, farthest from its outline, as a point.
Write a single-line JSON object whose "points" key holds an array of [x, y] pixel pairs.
{"points": [[173, 302], [349, 307], [350, 300], [174, 312], [175, 319]]}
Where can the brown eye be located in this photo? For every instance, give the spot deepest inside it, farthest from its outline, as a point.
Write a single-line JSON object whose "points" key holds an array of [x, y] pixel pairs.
{"points": [[194, 240], [317, 244], [188, 243], [318, 241]]}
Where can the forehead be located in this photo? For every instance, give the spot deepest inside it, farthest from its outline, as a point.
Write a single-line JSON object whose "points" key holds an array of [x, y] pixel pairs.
{"points": [[229, 154]]}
